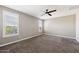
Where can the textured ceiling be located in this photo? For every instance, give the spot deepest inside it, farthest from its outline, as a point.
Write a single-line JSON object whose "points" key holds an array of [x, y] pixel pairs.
{"points": [[37, 10]]}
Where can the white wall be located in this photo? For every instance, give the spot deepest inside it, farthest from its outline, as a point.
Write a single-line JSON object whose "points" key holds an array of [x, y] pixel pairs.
{"points": [[28, 26], [77, 26], [76, 13], [61, 26]]}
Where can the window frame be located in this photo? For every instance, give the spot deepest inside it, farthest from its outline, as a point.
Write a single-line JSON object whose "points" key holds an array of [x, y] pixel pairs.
{"points": [[4, 23]]}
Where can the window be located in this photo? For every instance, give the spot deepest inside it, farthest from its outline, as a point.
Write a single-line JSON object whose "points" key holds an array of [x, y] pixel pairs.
{"points": [[10, 24], [40, 25]]}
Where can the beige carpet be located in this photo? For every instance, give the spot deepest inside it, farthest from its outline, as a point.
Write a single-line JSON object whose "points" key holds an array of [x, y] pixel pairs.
{"points": [[43, 44]]}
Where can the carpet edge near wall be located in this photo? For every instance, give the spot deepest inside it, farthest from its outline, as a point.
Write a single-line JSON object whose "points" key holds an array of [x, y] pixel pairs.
{"points": [[19, 40], [61, 36]]}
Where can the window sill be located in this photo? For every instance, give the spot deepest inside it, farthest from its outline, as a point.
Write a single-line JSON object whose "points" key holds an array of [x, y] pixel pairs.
{"points": [[5, 36]]}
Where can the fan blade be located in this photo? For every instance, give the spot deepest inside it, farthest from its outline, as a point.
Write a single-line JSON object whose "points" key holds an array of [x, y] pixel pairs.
{"points": [[49, 14], [52, 11]]}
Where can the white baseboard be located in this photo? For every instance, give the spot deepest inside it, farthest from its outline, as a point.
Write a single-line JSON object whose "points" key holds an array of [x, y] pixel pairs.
{"points": [[19, 40], [60, 36]]}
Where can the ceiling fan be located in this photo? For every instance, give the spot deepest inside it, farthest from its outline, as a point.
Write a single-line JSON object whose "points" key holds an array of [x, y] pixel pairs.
{"points": [[48, 12]]}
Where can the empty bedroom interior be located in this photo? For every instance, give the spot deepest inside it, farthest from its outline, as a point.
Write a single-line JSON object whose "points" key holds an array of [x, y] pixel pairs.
{"points": [[37, 29]]}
